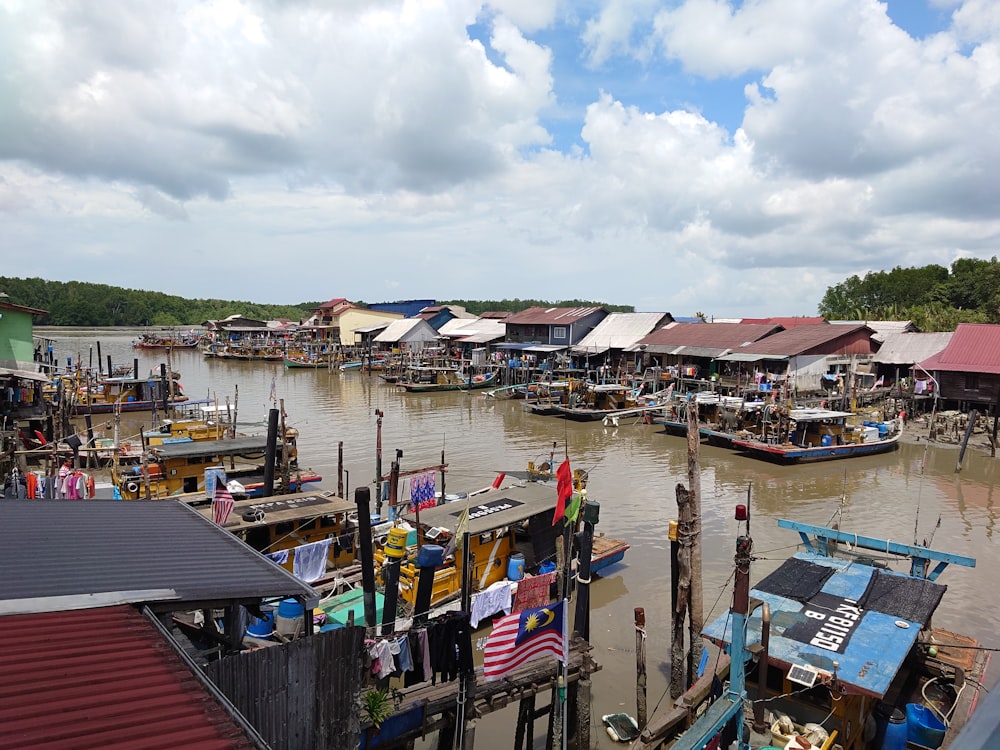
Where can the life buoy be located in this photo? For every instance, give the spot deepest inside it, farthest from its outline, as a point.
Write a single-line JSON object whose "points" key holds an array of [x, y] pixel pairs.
{"points": [[132, 486]]}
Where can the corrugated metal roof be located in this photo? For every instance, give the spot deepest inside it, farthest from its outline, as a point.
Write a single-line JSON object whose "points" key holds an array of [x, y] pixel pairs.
{"points": [[801, 339], [708, 335], [787, 322], [974, 347], [907, 348], [619, 330], [551, 315], [103, 678], [51, 548], [882, 328], [406, 329]]}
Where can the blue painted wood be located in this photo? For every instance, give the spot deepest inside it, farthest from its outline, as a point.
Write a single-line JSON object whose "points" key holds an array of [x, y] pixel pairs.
{"points": [[709, 724]]}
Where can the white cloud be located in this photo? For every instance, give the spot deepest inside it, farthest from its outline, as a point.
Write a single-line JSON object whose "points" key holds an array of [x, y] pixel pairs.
{"points": [[380, 146]]}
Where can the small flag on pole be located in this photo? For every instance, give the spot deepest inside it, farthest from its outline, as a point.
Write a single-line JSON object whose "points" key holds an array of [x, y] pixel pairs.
{"points": [[222, 504], [564, 489], [524, 636]]}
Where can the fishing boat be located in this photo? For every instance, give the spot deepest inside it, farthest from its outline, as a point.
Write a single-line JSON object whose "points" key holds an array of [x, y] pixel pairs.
{"points": [[123, 393], [806, 435], [429, 379], [277, 525], [836, 647], [157, 341], [304, 361], [510, 534], [596, 401], [180, 467], [721, 418]]}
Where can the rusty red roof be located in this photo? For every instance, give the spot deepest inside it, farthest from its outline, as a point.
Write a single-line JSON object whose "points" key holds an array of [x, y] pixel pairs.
{"points": [[103, 678], [551, 315], [709, 335], [788, 322], [974, 347], [821, 338]]}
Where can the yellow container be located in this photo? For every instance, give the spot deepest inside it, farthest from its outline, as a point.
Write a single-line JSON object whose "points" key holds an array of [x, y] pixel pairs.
{"points": [[395, 544]]}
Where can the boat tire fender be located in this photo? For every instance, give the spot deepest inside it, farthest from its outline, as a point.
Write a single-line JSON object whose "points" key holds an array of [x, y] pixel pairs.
{"points": [[132, 486]]}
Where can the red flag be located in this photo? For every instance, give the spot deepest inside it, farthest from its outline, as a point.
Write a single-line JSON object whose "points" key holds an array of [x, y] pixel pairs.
{"points": [[564, 489], [222, 503], [524, 636], [499, 480]]}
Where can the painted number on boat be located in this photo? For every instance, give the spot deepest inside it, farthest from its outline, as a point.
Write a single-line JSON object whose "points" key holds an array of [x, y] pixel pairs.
{"points": [[829, 622]]}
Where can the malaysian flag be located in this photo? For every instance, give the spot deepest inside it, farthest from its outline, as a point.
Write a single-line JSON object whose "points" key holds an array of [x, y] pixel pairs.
{"points": [[524, 636], [422, 491], [222, 504]]}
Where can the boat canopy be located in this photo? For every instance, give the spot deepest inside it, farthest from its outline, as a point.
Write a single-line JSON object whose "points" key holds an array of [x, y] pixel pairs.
{"points": [[816, 415], [826, 610], [296, 506], [493, 510], [209, 448]]}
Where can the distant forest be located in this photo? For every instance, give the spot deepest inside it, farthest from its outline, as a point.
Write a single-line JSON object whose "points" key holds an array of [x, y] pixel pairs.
{"points": [[76, 303], [935, 298]]}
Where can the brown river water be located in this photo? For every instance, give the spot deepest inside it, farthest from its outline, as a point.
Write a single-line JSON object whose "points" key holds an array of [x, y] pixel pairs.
{"points": [[912, 494]]}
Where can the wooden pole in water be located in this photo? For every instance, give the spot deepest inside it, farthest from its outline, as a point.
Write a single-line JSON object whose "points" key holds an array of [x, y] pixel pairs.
{"points": [[340, 475], [973, 416], [640, 667], [678, 680], [693, 532]]}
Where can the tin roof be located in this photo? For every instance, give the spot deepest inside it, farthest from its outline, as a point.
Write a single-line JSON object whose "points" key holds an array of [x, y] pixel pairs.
{"points": [[620, 330], [296, 506], [974, 347], [67, 554], [406, 329], [907, 348], [206, 448], [104, 678], [551, 315], [493, 509], [803, 339], [710, 336], [788, 322], [876, 617]]}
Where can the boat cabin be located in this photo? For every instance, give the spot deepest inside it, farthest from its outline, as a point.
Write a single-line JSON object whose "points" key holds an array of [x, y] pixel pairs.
{"points": [[514, 520], [284, 522]]}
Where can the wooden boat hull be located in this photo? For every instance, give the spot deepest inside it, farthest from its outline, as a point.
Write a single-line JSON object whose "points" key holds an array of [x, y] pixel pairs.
{"points": [[108, 408], [786, 453], [606, 552], [474, 385], [302, 363]]}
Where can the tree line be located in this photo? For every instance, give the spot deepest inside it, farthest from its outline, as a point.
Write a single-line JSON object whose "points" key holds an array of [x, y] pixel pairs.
{"points": [[933, 297], [78, 303]]}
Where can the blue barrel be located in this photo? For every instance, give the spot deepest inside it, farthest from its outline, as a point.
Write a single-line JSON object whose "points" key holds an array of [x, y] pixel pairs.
{"points": [[430, 556], [923, 726], [515, 568], [262, 627], [826, 440], [895, 731], [290, 608]]}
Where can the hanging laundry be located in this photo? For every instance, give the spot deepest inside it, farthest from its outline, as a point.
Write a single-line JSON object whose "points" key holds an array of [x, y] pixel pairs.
{"points": [[422, 491], [280, 557], [496, 598], [309, 562]]}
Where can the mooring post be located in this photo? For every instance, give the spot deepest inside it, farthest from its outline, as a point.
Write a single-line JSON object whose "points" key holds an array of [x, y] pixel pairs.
{"points": [[583, 711], [525, 723], [640, 667]]}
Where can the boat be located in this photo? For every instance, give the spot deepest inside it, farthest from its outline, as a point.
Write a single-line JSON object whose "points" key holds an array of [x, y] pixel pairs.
{"points": [[281, 523], [122, 393], [806, 435], [304, 361], [156, 341], [721, 418], [510, 532], [430, 379], [182, 467], [596, 401], [837, 648]]}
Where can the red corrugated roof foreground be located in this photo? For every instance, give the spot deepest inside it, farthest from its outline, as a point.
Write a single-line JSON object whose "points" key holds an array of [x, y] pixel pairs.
{"points": [[103, 678], [974, 347]]}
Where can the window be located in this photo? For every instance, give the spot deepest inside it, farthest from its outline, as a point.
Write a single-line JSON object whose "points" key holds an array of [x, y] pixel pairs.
{"points": [[971, 381], [559, 332]]}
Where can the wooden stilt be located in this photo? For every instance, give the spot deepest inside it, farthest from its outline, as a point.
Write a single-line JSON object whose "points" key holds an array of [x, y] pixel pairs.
{"points": [[583, 718], [640, 667], [554, 726]]}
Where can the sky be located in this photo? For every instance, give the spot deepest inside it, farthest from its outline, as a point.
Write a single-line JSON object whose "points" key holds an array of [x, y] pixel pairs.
{"points": [[734, 159]]}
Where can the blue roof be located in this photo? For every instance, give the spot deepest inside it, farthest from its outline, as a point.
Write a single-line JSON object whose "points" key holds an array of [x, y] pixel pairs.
{"points": [[840, 621]]}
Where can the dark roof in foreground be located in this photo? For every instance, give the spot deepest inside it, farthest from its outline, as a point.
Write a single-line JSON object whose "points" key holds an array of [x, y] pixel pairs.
{"points": [[97, 552], [104, 678]]}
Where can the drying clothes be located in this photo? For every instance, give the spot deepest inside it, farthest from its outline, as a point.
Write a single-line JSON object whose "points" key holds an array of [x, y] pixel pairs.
{"points": [[489, 601], [450, 645], [382, 664], [533, 591], [404, 658], [280, 557], [309, 562]]}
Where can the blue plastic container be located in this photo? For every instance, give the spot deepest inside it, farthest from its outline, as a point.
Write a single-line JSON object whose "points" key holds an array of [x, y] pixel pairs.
{"points": [[430, 556], [923, 726], [895, 732], [515, 568], [826, 440], [290, 608], [546, 567], [262, 627]]}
